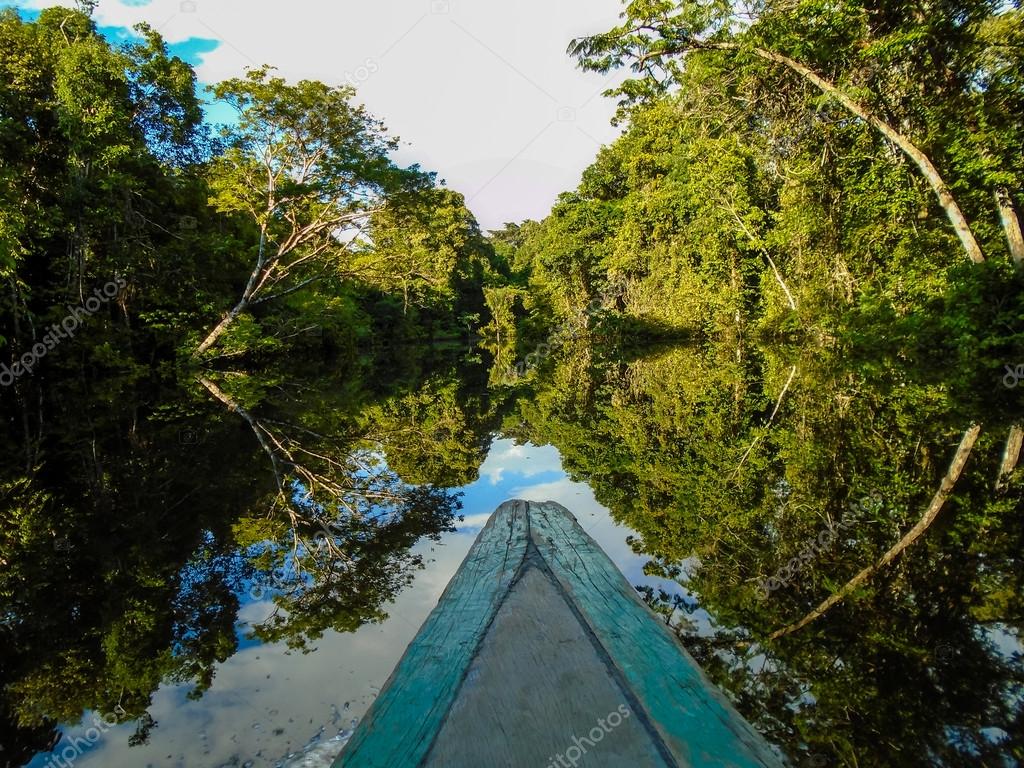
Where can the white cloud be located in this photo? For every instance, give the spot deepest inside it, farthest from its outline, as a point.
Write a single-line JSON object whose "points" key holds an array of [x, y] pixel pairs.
{"points": [[565, 492], [482, 90], [474, 522], [524, 460]]}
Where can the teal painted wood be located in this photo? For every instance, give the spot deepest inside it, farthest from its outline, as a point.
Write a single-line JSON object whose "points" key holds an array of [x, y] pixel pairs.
{"points": [[403, 722], [695, 721]]}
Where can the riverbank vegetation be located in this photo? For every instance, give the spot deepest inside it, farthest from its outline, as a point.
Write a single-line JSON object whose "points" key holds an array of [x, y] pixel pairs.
{"points": [[793, 283], [801, 168], [289, 229]]}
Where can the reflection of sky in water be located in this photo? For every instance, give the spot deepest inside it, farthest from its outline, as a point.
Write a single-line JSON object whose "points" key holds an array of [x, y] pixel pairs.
{"points": [[267, 701]]}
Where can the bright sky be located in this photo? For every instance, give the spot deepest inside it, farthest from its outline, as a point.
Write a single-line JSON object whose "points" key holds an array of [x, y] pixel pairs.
{"points": [[480, 91]]}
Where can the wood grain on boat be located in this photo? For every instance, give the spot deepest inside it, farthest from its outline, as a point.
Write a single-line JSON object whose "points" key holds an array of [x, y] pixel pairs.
{"points": [[540, 654]]}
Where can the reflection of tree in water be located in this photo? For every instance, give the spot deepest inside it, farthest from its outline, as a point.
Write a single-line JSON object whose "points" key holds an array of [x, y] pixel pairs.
{"points": [[351, 521], [702, 457], [146, 512], [341, 579], [438, 434]]}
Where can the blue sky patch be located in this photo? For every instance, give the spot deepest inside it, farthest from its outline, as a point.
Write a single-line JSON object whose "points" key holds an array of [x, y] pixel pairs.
{"points": [[118, 35], [193, 49], [27, 14]]}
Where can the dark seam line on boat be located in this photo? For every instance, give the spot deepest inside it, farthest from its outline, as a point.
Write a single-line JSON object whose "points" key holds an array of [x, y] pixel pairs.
{"points": [[487, 628], [641, 712], [735, 724]]}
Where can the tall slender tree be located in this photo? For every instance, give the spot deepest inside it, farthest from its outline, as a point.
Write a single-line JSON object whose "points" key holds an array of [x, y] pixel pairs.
{"points": [[306, 168]]}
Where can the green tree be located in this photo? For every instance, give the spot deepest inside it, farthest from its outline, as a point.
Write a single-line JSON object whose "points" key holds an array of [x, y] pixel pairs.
{"points": [[427, 248], [305, 168], [921, 80]]}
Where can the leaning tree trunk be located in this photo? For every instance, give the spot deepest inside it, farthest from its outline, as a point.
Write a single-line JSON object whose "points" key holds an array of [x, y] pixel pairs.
{"points": [[1011, 455], [1011, 226], [222, 326], [919, 158], [1015, 243], [257, 277]]}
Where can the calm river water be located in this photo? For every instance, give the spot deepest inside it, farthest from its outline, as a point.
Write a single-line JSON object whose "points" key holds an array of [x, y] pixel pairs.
{"points": [[165, 568]]}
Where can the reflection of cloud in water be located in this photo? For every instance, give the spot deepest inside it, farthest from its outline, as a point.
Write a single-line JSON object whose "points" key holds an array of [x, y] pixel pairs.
{"points": [[267, 703], [505, 457], [1004, 640], [506, 467], [474, 522]]}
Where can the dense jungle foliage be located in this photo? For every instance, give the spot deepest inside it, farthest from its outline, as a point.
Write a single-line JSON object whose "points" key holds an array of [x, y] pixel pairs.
{"points": [[750, 196], [795, 282], [289, 229]]}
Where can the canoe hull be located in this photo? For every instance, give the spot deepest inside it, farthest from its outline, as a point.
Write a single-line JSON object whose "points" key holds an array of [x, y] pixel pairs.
{"points": [[540, 653]]}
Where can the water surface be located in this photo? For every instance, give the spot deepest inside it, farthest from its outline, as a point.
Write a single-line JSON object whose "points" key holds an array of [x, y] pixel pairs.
{"points": [[151, 575]]}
